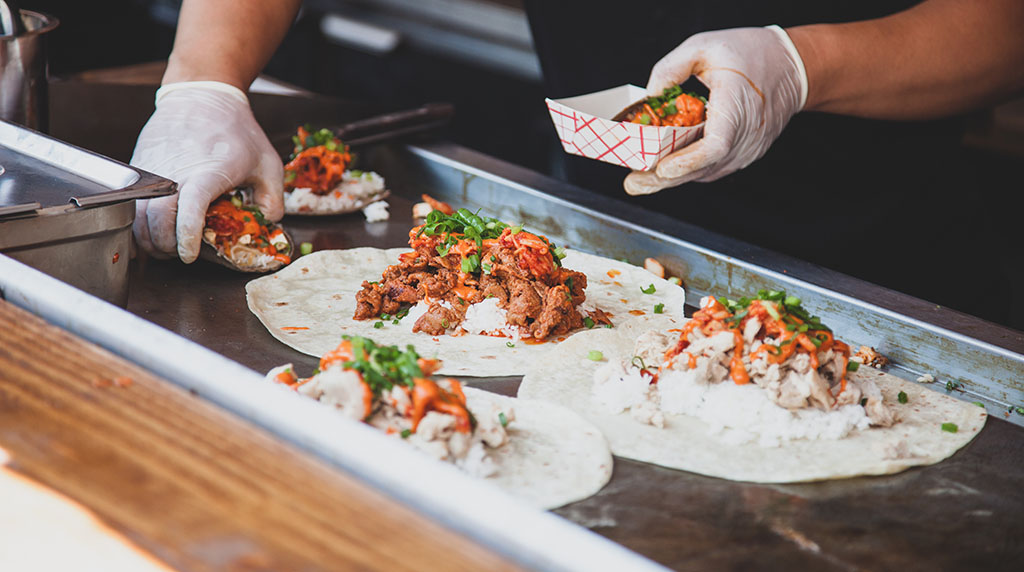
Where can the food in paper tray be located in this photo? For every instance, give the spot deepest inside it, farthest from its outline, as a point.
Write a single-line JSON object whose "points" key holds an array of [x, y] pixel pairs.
{"points": [[318, 180], [594, 125], [238, 236], [540, 452], [752, 390], [483, 296], [673, 107]]}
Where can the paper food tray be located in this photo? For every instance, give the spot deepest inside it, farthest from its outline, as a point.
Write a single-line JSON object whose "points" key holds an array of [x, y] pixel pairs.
{"points": [[585, 128]]}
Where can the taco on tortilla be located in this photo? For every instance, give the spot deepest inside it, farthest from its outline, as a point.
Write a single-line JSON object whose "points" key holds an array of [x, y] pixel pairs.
{"points": [[318, 180], [238, 236], [540, 452], [753, 390], [484, 301]]}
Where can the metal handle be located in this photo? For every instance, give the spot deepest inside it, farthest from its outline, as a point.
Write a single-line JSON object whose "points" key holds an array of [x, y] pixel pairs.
{"points": [[397, 123], [148, 187]]}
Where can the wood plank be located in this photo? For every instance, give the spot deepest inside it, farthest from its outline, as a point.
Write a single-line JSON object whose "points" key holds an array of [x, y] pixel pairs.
{"points": [[191, 484]]}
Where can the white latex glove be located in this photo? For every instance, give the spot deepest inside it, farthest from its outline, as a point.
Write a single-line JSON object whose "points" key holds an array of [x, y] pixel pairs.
{"points": [[204, 137], [757, 82]]}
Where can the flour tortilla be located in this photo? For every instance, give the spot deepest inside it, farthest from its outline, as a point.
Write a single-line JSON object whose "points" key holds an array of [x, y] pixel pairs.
{"points": [[553, 457], [316, 294], [684, 443]]}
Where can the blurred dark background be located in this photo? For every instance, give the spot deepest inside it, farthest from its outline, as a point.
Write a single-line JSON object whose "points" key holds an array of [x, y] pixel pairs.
{"points": [[478, 54]]}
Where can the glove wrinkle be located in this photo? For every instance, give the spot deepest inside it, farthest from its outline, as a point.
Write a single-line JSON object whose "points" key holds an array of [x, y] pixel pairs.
{"points": [[756, 82], [208, 141]]}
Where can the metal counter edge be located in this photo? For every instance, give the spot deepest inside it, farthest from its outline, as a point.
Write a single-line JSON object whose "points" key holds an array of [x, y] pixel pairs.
{"points": [[528, 536]]}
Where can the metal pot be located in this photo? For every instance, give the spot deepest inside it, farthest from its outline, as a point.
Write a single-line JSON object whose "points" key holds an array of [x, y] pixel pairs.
{"points": [[23, 87]]}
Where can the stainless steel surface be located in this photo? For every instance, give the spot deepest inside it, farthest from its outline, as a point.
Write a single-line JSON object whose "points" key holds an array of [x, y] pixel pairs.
{"points": [[963, 513], [528, 536], [89, 249], [986, 359], [487, 34], [69, 212], [23, 84]]}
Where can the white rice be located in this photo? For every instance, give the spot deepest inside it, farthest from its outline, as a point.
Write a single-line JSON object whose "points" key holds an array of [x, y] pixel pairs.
{"points": [[739, 413], [377, 212], [743, 413], [353, 192], [485, 317]]}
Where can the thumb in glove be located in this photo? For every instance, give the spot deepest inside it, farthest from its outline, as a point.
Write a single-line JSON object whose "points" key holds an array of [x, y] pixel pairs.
{"points": [[203, 136], [757, 82]]}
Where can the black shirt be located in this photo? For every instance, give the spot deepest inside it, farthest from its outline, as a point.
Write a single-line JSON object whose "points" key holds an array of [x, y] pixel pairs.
{"points": [[865, 197]]}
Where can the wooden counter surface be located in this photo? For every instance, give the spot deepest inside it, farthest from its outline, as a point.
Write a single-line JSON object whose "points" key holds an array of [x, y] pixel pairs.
{"points": [[190, 484]]}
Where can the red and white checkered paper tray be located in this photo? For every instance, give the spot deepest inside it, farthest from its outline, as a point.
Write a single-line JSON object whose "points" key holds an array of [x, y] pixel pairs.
{"points": [[585, 128]]}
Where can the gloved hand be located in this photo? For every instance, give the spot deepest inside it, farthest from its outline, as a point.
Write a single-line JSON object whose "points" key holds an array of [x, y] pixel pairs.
{"points": [[204, 137], [757, 82]]}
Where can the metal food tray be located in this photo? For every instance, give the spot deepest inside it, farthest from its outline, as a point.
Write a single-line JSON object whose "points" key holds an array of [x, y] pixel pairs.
{"points": [[961, 513], [984, 360]]}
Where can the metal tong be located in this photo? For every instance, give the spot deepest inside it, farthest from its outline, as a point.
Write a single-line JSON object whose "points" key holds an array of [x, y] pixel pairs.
{"points": [[388, 126]]}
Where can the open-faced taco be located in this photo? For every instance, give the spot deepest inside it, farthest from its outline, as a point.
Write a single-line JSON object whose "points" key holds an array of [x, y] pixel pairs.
{"points": [[238, 236], [318, 180], [537, 451], [752, 390], [673, 107], [483, 296]]}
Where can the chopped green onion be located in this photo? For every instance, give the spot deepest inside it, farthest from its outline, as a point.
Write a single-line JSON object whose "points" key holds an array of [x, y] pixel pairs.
{"points": [[356, 173], [517, 229], [609, 326], [502, 419], [803, 328], [289, 176], [395, 322], [444, 323], [486, 268], [659, 308], [461, 301], [902, 397], [509, 345], [863, 401], [588, 322], [237, 201], [247, 219], [791, 327], [852, 366], [306, 248], [493, 258], [385, 316], [595, 355], [405, 433], [378, 325], [645, 119], [675, 280], [950, 427], [791, 301], [771, 310], [980, 404], [649, 290]]}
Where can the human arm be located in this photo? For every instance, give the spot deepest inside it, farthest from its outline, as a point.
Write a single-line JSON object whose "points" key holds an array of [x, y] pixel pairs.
{"points": [[939, 58], [203, 134]]}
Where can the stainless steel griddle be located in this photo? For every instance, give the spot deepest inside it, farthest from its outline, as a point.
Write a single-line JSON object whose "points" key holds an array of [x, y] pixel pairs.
{"points": [[963, 513]]}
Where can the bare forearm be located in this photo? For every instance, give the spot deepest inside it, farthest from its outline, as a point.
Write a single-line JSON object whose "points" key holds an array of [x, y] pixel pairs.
{"points": [[227, 40], [938, 58]]}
